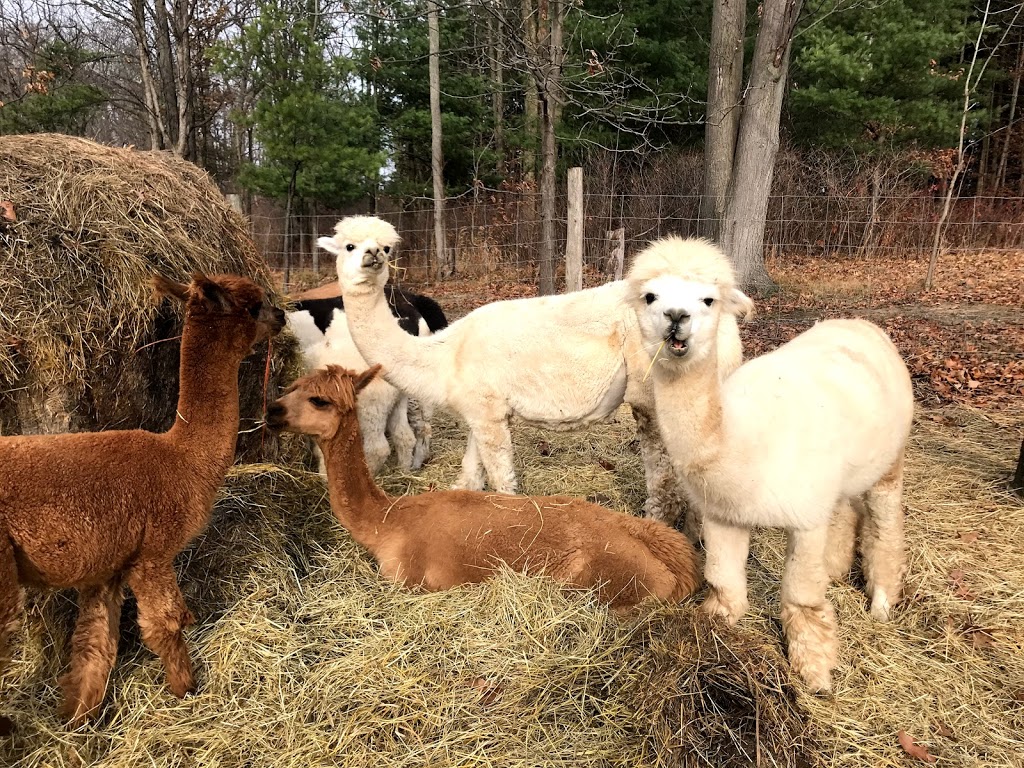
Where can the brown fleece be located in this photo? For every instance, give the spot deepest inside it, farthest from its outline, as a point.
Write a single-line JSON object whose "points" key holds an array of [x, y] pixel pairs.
{"points": [[446, 538], [97, 510]]}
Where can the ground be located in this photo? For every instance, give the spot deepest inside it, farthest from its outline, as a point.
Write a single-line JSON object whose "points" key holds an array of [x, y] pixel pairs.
{"points": [[306, 657]]}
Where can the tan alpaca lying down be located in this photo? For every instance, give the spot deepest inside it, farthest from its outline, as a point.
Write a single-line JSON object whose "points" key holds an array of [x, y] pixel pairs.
{"points": [[443, 539]]}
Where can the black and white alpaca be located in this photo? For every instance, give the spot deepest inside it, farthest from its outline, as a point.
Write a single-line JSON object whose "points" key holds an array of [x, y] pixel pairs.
{"points": [[384, 411]]}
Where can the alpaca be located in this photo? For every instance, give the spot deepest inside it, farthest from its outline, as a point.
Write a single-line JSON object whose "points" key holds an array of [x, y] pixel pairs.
{"points": [[559, 362], [443, 539], [811, 434], [322, 330], [95, 511]]}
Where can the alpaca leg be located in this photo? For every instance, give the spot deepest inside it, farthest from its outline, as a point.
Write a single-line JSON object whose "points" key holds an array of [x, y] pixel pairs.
{"points": [[401, 433], [321, 465], [666, 501], [419, 420], [842, 540], [11, 599], [494, 445], [93, 650], [10, 610], [472, 476], [375, 447], [725, 568], [882, 549], [162, 617], [807, 617]]}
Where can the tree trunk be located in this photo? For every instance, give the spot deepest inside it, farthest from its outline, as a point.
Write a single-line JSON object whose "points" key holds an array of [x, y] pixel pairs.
{"points": [[287, 244], [445, 267], [574, 231], [165, 68], [530, 101], [498, 95], [984, 170], [1005, 153], [725, 84], [758, 144], [183, 78], [153, 117], [551, 47]]}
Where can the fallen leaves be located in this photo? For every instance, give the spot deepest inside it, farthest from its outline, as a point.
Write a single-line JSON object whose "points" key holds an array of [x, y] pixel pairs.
{"points": [[969, 537], [607, 464], [959, 585], [942, 728], [7, 210], [544, 448], [914, 749]]}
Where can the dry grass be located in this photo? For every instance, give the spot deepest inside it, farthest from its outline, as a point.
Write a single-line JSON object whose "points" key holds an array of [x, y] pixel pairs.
{"points": [[307, 658], [93, 223]]}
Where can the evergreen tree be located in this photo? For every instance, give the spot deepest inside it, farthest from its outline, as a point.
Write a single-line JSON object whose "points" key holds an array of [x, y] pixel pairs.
{"points": [[885, 73]]}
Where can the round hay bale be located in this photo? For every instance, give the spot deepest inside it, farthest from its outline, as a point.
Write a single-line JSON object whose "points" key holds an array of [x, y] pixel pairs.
{"points": [[79, 330]]}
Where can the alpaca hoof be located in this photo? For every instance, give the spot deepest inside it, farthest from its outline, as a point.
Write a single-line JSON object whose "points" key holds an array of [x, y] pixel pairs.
{"points": [[881, 610], [183, 688], [75, 712], [811, 636], [715, 604]]}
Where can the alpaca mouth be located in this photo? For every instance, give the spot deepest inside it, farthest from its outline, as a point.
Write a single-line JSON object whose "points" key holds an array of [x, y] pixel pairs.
{"points": [[677, 347], [372, 262]]}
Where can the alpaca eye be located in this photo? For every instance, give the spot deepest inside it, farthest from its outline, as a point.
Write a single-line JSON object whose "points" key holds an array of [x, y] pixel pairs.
{"points": [[254, 310], [708, 302], [319, 402], [649, 298], [387, 249], [350, 247]]}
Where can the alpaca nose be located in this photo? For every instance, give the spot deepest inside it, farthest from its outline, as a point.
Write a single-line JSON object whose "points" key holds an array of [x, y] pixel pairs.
{"points": [[677, 316], [275, 415], [372, 258]]}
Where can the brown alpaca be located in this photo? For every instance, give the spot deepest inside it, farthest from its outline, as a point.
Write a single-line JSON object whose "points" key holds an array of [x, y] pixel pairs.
{"points": [[98, 510], [446, 538]]}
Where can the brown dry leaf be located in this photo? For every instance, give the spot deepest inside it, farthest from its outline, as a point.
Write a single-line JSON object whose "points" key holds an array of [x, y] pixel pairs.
{"points": [[7, 210], [544, 448], [489, 692], [915, 750], [969, 537], [942, 729], [607, 464], [980, 638]]}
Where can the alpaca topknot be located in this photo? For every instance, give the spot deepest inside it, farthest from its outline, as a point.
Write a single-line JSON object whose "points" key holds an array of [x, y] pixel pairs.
{"points": [[693, 259], [359, 228]]}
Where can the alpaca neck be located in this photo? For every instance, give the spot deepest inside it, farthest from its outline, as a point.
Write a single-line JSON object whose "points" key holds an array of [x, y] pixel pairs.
{"points": [[356, 499], [690, 412], [206, 421], [412, 364]]}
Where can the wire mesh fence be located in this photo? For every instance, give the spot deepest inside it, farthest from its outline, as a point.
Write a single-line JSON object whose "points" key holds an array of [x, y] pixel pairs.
{"points": [[497, 233]]}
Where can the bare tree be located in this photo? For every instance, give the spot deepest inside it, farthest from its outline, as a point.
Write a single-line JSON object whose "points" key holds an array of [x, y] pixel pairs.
{"points": [[756, 133], [445, 262], [972, 78], [725, 80]]}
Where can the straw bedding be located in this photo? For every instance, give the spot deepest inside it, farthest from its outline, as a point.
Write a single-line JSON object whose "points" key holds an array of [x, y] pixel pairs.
{"points": [[92, 224], [306, 658]]}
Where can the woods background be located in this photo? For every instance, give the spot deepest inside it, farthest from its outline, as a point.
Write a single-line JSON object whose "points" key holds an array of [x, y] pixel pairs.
{"points": [[897, 122]]}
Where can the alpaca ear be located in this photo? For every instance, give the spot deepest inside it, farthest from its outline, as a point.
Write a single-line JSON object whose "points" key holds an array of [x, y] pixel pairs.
{"points": [[329, 244], [739, 304], [366, 377], [162, 288], [216, 298]]}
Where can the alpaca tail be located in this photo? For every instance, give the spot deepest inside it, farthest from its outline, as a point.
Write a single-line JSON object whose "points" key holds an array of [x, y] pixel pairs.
{"points": [[674, 551]]}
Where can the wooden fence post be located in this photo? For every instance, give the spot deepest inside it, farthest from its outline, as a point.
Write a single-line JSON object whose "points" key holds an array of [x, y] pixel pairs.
{"points": [[574, 234]]}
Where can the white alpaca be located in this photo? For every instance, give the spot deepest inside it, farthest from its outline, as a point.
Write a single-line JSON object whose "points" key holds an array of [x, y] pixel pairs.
{"points": [[559, 362], [382, 409], [788, 440]]}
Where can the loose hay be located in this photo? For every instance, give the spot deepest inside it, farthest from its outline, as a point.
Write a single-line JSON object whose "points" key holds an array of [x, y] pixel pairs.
{"points": [[307, 658], [93, 223]]}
